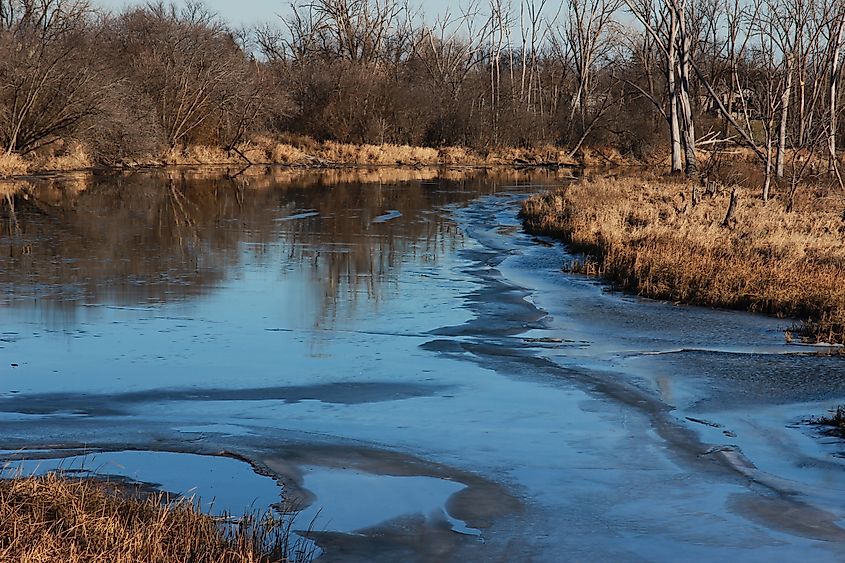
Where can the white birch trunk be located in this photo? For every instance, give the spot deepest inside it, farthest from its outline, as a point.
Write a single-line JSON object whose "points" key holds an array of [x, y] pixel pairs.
{"points": [[671, 64]]}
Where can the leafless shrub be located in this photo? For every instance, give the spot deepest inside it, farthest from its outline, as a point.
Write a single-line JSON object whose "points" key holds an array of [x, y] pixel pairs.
{"points": [[51, 77]]}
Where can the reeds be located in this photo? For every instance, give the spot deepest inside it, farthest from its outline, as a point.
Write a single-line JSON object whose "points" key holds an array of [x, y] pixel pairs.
{"points": [[54, 518], [666, 240]]}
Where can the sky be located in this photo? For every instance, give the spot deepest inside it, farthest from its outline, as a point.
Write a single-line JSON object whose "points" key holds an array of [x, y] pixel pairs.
{"points": [[248, 12]]}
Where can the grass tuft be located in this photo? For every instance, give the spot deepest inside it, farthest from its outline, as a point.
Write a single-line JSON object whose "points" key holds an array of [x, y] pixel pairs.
{"points": [[12, 164], [71, 157], [55, 518]]}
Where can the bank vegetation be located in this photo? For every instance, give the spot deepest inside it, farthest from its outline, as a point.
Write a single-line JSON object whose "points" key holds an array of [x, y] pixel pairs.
{"points": [[53, 518], [708, 245]]}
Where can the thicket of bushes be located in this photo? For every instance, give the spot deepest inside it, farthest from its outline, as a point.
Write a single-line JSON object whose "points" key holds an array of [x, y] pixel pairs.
{"points": [[633, 75], [156, 77]]}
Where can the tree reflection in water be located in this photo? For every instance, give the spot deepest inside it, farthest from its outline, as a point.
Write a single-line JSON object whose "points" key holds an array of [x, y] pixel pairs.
{"points": [[148, 237]]}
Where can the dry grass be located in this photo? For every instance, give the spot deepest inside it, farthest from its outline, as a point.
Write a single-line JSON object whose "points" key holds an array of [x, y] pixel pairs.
{"points": [[281, 153], [52, 518], [64, 158], [605, 156], [647, 236], [303, 151], [293, 150], [308, 152], [72, 157], [12, 165], [385, 154]]}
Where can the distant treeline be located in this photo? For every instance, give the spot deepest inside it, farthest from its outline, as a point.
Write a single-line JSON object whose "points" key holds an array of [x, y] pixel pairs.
{"points": [[636, 75]]}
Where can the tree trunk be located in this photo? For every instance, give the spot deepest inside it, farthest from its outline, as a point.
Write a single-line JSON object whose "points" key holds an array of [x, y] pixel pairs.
{"points": [[691, 166], [784, 115], [802, 101], [836, 39], [767, 185], [729, 215], [671, 64]]}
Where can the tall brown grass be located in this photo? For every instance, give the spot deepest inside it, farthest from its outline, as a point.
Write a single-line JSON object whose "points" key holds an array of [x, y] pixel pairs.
{"points": [[649, 237], [72, 157], [12, 165], [291, 150], [54, 518]]}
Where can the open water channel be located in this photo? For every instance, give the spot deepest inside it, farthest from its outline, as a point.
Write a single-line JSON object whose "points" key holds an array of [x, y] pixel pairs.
{"points": [[388, 350]]}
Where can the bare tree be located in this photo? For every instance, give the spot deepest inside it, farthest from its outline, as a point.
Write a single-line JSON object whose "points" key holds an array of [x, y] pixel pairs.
{"points": [[684, 39], [50, 78], [353, 30], [660, 20], [534, 31], [452, 48], [589, 33], [186, 62], [500, 22], [789, 27], [834, 29]]}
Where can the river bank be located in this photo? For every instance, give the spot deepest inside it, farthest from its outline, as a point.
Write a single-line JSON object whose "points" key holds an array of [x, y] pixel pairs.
{"points": [[61, 517], [668, 240], [299, 151]]}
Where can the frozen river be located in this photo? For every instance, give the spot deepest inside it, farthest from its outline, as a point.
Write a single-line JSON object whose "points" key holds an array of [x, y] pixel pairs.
{"points": [[389, 350]]}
